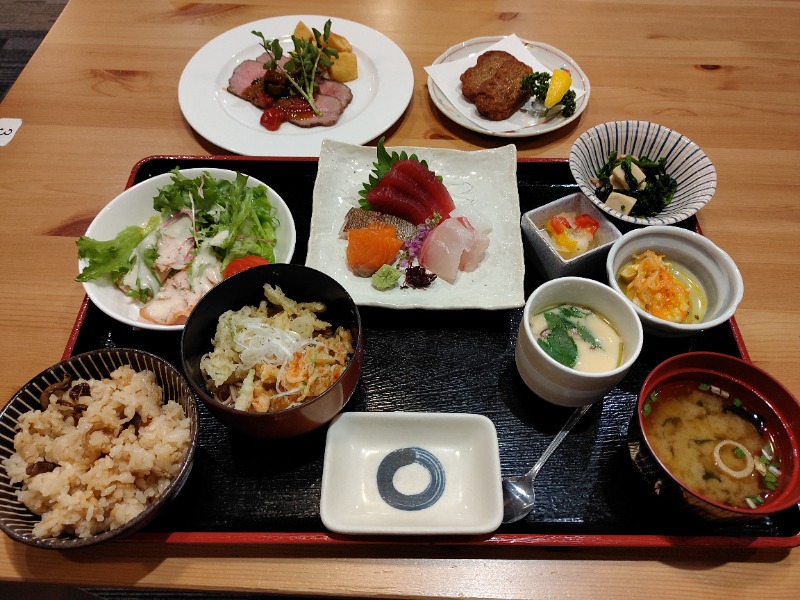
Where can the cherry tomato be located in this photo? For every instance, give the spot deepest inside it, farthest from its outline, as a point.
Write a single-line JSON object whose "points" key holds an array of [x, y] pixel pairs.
{"points": [[272, 118], [240, 264]]}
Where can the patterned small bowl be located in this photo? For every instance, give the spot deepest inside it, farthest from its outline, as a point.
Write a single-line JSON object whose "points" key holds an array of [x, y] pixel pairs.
{"points": [[686, 162], [15, 519]]}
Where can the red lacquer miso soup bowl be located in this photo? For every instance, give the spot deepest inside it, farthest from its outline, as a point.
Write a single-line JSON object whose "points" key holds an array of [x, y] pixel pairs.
{"points": [[719, 435], [294, 373]]}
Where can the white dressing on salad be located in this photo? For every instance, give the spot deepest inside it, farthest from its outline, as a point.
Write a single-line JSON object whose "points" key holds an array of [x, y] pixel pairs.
{"points": [[142, 277], [176, 244]]}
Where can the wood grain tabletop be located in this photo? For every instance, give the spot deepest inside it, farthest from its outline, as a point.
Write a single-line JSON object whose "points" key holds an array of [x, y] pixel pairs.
{"points": [[101, 93]]}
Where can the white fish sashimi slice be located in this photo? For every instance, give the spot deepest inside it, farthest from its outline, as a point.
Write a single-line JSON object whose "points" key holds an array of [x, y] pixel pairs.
{"points": [[441, 251], [453, 245], [477, 220], [472, 257]]}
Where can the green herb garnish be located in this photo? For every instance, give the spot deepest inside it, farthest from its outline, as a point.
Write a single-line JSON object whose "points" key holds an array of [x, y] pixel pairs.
{"points": [[306, 62], [738, 452], [648, 402], [557, 340], [659, 187]]}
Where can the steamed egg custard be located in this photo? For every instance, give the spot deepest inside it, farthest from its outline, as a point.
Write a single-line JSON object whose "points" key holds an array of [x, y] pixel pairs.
{"points": [[578, 337], [712, 443], [663, 288]]}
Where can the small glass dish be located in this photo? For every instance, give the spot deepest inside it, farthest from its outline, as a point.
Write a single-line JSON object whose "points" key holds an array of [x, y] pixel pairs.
{"points": [[549, 261]]}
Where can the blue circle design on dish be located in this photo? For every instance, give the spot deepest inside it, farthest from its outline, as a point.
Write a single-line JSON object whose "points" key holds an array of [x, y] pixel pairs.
{"points": [[396, 460]]}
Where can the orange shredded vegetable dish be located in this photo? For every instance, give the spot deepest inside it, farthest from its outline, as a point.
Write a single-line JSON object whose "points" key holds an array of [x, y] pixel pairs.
{"points": [[650, 283]]}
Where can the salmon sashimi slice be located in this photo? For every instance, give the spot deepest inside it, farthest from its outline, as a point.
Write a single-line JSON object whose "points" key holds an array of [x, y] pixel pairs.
{"points": [[370, 248]]}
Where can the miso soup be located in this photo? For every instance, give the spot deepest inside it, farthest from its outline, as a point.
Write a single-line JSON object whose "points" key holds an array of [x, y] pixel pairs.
{"points": [[712, 443], [578, 338]]}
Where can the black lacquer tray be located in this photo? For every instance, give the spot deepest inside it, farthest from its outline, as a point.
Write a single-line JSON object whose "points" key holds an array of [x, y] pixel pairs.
{"points": [[243, 491]]}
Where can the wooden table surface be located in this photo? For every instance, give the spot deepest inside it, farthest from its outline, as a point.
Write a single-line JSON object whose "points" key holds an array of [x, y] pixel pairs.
{"points": [[101, 93]]}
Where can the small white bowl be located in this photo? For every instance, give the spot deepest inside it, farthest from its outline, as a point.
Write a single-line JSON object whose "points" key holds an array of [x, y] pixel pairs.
{"points": [[562, 385], [405, 473], [134, 206], [547, 260], [686, 162], [715, 271]]}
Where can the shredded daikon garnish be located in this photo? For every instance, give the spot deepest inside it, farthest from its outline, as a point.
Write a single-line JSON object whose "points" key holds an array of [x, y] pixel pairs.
{"points": [[257, 342]]}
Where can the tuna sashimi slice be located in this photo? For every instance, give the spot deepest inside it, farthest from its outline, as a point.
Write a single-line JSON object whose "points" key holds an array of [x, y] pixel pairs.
{"points": [[433, 189], [392, 200], [409, 183]]}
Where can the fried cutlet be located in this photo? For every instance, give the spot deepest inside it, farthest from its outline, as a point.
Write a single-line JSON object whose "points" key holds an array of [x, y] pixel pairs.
{"points": [[493, 84]]}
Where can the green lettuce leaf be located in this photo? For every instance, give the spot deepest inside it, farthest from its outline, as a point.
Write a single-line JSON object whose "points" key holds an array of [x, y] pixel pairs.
{"points": [[112, 257]]}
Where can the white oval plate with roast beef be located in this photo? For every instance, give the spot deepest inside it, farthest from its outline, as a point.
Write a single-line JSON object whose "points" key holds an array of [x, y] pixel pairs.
{"points": [[381, 92]]}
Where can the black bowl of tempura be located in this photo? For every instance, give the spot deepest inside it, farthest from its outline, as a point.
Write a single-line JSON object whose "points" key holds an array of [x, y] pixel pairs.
{"points": [[274, 351]]}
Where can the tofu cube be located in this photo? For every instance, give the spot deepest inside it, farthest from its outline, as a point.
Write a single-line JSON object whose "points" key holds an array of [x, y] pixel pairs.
{"points": [[620, 202], [618, 177]]}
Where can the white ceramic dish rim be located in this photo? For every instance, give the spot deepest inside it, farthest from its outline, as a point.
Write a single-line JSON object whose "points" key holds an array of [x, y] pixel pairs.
{"points": [[381, 94], [138, 199], [541, 51], [690, 236]]}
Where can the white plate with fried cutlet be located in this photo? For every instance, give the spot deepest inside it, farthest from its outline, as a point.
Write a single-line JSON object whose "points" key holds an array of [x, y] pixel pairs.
{"points": [[444, 86]]}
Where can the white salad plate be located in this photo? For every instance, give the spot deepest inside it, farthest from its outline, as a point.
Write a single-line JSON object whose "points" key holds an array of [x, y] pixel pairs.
{"points": [[523, 124], [381, 92], [405, 473], [134, 206], [483, 187]]}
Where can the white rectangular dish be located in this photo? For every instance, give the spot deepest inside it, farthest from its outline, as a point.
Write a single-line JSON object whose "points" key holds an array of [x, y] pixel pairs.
{"points": [[483, 183], [398, 473]]}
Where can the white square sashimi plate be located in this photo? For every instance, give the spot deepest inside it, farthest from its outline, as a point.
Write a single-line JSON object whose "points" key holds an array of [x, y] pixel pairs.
{"points": [[483, 183], [398, 473]]}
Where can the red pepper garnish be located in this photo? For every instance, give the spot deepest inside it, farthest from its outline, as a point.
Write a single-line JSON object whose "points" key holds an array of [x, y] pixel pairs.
{"points": [[586, 222], [559, 224]]}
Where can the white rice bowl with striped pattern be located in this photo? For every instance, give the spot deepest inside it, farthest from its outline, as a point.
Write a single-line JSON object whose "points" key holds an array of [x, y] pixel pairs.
{"points": [[685, 162]]}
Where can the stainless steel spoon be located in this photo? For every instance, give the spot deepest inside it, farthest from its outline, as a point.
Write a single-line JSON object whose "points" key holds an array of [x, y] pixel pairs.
{"points": [[518, 491]]}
